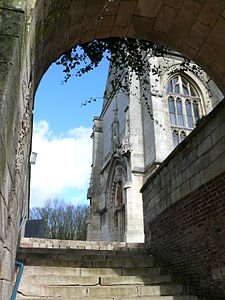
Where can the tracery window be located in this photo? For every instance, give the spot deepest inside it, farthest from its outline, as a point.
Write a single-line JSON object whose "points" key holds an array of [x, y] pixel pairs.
{"points": [[184, 107]]}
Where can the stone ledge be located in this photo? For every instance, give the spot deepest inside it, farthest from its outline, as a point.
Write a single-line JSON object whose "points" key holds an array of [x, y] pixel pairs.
{"points": [[88, 245]]}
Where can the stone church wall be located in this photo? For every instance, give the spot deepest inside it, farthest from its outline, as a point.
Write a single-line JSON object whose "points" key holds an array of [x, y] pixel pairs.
{"points": [[184, 207]]}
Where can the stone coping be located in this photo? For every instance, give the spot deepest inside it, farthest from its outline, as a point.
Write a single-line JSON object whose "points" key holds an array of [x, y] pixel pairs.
{"points": [[41, 243]]}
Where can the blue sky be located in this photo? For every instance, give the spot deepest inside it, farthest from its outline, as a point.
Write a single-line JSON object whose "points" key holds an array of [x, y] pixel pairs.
{"points": [[61, 135]]}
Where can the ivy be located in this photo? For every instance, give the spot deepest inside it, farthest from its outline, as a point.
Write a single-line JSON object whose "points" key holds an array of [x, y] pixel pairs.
{"points": [[121, 52], [128, 58]]}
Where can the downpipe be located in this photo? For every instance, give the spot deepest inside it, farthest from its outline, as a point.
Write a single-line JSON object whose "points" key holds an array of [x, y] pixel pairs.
{"points": [[18, 264], [15, 289]]}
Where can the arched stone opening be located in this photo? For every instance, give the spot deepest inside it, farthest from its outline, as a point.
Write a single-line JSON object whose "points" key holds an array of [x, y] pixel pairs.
{"points": [[194, 28]]}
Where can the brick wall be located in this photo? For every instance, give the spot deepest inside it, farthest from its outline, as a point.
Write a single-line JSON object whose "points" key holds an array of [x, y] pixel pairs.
{"points": [[184, 208]]}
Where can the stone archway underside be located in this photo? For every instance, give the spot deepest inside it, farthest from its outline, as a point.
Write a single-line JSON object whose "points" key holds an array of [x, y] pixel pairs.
{"points": [[196, 28]]}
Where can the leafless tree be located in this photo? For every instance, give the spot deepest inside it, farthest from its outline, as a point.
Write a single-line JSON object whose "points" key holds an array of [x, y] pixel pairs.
{"points": [[63, 221]]}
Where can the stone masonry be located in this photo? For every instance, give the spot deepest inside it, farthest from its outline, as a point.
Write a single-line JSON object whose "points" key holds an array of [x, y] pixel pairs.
{"points": [[184, 204], [33, 34], [94, 270]]}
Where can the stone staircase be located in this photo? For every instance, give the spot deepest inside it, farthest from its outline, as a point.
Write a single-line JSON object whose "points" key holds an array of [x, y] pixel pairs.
{"points": [[70, 270]]}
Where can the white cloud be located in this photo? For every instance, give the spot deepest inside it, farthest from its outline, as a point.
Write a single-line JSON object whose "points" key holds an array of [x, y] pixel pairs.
{"points": [[62, 162]]}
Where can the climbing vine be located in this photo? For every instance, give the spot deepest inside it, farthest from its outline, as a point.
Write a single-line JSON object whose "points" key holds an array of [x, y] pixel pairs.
{"points": [[128, 58]]}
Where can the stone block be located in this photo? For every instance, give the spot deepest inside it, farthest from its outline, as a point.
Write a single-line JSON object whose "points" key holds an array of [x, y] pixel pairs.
{"points": [[163, 290], [100, 272], [209, 14], [135, 280], [204, 146], [197, 35], [14, 4], [148, 9], [127, 7], [59, 280], [175, 195], [218, 133], [7, 265], [128, 291], [174, 3], [46, 291], [202, 162], [214, 38], [105, 26], [5, 289], [165, 19], [9, 44], [11, 22]]}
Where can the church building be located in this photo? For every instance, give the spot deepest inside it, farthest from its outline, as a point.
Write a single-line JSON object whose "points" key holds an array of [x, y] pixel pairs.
{"points": [[134, 134]]}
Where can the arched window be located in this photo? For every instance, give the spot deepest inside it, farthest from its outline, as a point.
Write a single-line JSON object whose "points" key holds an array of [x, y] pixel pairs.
{"points": [[180, 112], [182, 136], [184, 106], [189, 114], [196, 110], [172, 111], [175, 138]]}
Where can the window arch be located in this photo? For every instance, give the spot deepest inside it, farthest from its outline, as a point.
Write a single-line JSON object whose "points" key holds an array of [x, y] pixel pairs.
{"points": [[179, 112], [189, 114], [172, 111], [175, 138], [184, 106], [182, 136]]}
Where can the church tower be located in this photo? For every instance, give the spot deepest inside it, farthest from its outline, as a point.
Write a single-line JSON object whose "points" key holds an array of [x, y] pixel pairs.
{"points": [[135, 132]]}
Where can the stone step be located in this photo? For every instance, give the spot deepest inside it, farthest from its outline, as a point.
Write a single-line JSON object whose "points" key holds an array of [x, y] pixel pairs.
{"points": [[56, 280], [133, 291], [68, 262], [38, 243], [178, 297], [64, 256], [135, 280], [67, 271], [83, 252], [99, 291]]}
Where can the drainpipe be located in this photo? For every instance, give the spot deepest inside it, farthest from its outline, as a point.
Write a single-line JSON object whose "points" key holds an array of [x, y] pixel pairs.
{"points": [[17, 263], [20, 265]]}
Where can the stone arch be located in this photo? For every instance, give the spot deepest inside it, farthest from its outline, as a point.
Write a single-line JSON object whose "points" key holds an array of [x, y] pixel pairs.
{"points": [[116, 212], [196, 29], [35, 36]]}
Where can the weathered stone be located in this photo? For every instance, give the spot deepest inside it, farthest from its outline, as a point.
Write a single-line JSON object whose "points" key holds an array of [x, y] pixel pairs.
{"points": [[46, 18], [135, 280]]}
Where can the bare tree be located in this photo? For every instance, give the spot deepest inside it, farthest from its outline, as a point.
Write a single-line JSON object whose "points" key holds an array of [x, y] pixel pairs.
{"points": [[63, 221]]}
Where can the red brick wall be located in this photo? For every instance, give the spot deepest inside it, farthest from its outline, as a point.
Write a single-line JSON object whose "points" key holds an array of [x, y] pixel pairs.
{"points": [[190, 237]]}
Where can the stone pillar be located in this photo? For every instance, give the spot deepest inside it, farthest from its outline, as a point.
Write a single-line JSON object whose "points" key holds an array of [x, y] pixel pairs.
{"points": [[94, 191], [134, 227]]}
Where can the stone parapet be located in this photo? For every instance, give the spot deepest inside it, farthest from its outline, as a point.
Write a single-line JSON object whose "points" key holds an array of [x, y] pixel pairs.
{"points": [[184, 207], [34, 243]]}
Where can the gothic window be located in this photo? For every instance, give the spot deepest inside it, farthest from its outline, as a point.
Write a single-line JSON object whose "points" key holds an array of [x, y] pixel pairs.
{"points": [[180, 112], [172, 111], [184, 107], [189, 114], [196, 110], [182, 136], [175, 138]]}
